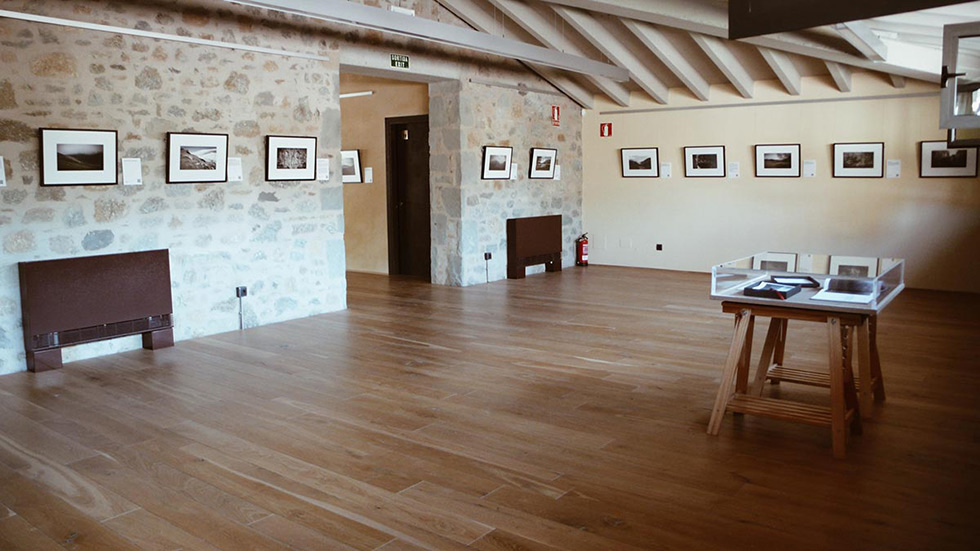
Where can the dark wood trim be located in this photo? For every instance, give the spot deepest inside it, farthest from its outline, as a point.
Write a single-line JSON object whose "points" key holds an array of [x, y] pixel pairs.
{"points": [[748, 18], [394, 263]]}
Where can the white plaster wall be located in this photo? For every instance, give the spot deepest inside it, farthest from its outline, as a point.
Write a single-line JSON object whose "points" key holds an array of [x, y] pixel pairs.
{"points": [[933, 223]]}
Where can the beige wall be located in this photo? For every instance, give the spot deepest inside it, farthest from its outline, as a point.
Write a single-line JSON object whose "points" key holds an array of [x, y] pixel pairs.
{"points": [[933, 223], [363, 128]]}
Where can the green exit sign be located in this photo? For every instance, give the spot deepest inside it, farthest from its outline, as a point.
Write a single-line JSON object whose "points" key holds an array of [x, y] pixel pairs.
{"points": [[399, 61]]}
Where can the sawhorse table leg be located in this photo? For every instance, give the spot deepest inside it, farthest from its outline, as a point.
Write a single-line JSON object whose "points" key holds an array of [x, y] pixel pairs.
{"points": [[742, 321]]}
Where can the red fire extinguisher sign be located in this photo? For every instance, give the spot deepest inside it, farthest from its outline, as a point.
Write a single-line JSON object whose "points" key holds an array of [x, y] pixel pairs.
{"points": [[555, 115], [605, 129]]}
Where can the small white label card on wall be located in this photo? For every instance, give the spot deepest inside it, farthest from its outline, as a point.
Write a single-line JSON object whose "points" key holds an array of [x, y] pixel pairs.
{"points": [[810, 169], [733, 169], [323, 169], [513, 171], [368, 175], [893, 168], [132, 172], [3, 173], [235, 173], [557, 172], [665, 170]]}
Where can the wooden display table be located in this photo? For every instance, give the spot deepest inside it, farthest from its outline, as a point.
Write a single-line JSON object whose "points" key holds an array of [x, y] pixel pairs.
{"points": [[843, 331], [846, 293]]}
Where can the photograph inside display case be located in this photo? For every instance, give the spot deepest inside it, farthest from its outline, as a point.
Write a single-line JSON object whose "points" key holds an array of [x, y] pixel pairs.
{"points": [[820, 281]]}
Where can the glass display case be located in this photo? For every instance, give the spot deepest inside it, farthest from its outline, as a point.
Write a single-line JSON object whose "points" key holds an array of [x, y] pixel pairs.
{"points": [[855, 284]]}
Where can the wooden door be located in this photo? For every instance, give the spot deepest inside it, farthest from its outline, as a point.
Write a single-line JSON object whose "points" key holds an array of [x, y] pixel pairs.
{"points": [[407, 142]]}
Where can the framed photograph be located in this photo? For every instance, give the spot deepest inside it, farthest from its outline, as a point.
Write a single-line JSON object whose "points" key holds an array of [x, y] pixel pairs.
{"points": [[777, 160], [640, 162], [776, 262], [71, 157], [854, 266], [543, 163], [859, 160], [290, 158], [704, 162], [496, 162], [350, 166], [937, 160], [196, 158]]}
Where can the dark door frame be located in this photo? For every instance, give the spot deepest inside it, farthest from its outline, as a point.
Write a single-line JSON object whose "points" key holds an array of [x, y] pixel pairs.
{"points": [[394, 262]]}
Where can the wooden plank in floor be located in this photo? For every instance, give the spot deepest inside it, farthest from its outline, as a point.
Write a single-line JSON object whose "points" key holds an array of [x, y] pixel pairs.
{"points": [[16, 534], [149, 532], [180, 511], [54, 518], [392, 513]]}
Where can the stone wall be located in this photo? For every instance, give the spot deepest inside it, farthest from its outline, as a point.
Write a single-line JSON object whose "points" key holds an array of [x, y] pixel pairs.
{"points": [[284, 240], [491, 115], [445, 191]]}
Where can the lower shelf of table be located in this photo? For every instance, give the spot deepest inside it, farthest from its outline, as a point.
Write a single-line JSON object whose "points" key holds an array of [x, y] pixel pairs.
{"points": [[804, 377], [785, 410]]}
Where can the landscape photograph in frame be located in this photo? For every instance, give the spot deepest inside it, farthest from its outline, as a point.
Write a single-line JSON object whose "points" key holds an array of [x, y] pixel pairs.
{"points": [[71, 157]]}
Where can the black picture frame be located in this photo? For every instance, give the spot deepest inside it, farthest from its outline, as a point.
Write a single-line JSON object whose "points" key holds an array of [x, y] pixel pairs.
{"points": [[794, 170], [548, 173], [491, 169], [354, 158], [186, 166], [718, 171], [839, 162], [639, 172], [927, 169], [92, 159], [276, 155]]}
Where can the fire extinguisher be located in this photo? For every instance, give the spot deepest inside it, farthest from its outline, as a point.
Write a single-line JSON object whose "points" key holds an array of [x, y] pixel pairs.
{"points": [[582, 250]]}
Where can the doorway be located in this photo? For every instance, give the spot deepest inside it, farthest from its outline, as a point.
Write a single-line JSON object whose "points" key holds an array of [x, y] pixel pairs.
{"points": [[409, 230]]}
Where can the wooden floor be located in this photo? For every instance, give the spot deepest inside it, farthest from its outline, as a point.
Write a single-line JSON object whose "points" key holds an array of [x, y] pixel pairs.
{"points": [[564, 411]]}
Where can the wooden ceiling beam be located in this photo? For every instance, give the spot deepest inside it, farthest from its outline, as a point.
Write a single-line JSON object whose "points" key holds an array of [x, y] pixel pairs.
{"points": [[841, 75], [859, 35], [661, 46], [613, 48], [469, 12], [538, 26], [727, 62], [786, 72], [701, 16], [906, 60]]}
